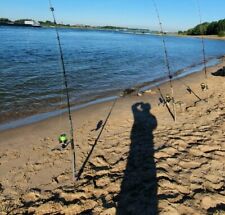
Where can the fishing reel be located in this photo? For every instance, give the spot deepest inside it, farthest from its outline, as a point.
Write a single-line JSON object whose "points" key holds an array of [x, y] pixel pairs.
{"points": [[63, 141], [204, 87], [165, 100], [168, 99]]}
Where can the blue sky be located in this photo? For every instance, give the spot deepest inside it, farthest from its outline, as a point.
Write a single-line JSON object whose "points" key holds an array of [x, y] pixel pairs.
{"points": [[175, 14]]}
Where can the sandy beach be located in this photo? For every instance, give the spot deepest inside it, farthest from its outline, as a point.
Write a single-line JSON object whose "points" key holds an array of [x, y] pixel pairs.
{"points": [[143, 163], [211, 37]]}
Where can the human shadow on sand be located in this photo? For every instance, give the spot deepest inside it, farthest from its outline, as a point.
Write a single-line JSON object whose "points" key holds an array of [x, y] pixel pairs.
{"points": [[138, 193]]}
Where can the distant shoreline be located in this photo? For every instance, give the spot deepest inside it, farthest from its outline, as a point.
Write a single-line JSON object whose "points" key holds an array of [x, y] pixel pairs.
{"points": [[120, 30], [103, 28], [18, 25], [116, 29]]}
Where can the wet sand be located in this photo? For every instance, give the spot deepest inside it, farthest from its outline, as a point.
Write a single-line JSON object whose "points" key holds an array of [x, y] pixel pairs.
{"points": [[143, 163]]}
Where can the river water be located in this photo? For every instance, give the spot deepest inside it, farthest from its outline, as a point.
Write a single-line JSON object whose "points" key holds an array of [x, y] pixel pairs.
{"points": [[99, 64]]}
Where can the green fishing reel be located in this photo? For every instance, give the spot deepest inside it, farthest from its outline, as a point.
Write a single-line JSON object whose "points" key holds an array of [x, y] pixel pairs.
{"points": [[63, 140]]}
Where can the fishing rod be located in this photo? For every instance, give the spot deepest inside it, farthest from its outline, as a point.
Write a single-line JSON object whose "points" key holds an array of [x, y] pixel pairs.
{"points": [[188, 88], [204, 86], [63, 138], [191, 91], [102, 125], [166, 60], [97, 139]]}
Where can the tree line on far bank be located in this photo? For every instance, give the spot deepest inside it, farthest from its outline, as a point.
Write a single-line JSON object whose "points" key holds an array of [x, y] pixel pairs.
{"points": [[207, 28]]}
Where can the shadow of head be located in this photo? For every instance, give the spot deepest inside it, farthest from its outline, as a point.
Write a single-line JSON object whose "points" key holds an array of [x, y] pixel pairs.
{"points": [[141, 111], [141, 106]]}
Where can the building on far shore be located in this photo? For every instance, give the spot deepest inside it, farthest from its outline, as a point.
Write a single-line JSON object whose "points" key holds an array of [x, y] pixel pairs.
{"points": [[32, 23]]}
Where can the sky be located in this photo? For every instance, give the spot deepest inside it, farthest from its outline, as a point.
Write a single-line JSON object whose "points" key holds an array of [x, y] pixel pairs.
{"points": [[175, 14]]}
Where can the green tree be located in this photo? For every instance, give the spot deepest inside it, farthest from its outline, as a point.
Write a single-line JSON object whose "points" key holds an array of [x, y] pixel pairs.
{"points": [[221, 25], [200, 29], [212, 28], [5, 20]]}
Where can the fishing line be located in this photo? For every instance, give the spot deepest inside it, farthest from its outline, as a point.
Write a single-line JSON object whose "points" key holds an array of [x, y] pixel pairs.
{"points": [[61, 101], [67, 93], [188, 88], [202, 40], [62, 94]]}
